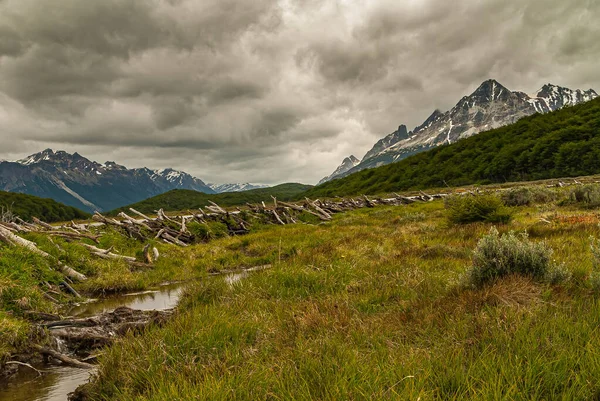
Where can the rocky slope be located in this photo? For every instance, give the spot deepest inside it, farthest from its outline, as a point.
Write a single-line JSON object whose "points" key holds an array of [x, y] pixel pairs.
{"points": [[490, 106], [347, 164], [76, 181]]}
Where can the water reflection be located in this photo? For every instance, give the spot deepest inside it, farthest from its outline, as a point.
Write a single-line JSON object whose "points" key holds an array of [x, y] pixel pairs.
{"points": [[59, 381], [165, 297], [52, 386]]}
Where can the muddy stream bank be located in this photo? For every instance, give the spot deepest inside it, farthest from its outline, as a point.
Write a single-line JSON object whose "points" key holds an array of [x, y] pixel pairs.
{"points": [[87, 327]]}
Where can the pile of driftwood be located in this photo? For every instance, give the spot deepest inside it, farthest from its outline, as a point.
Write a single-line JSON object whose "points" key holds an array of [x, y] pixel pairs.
{"points": [[175, 229]]}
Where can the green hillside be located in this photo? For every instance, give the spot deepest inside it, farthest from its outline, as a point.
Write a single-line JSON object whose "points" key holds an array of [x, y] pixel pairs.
{"points": [[565, 143], [183, 199], [28, 206]]}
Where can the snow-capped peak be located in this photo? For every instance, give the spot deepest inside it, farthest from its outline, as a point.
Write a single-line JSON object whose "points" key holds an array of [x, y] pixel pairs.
{"points": [[236, 187], [347, 164], [37, 157]]}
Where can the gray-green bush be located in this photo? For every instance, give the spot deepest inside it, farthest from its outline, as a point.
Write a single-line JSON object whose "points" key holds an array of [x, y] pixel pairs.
{"points": [[498, 256], [464, 209], [584, 195], [525, 196]]}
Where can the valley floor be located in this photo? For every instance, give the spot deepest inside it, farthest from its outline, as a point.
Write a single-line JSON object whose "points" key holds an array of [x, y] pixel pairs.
{"points": [[370, 306]]}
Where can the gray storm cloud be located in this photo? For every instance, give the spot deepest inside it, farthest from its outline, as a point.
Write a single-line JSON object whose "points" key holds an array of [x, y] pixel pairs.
{"points": [[266, 91]]}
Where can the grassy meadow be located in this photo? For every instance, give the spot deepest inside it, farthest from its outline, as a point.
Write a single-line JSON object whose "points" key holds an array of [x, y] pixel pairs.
{"points": [[377, 304]]}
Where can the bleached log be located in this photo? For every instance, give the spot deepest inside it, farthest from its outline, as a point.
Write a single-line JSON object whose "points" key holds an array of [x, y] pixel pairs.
{"points": [[221, 210], [98, 217], [277, 217], [65, 234], [66, 270], [26, 224], [142, 215], [107, 254], [292, 206], [133, 221], [322, 212], [172, 239]]}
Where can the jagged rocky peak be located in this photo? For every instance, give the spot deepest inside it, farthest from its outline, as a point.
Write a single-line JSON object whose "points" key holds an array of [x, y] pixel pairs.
{"points": [[489, 91], [347, 164], [490, 106], [59, 158], [47, 154], [556, 96], [401, 133], [113, 166], [353, 160], [436, 115]]}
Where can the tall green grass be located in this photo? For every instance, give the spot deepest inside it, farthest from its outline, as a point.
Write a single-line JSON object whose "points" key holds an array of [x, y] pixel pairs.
{"points": [[370, 307]]}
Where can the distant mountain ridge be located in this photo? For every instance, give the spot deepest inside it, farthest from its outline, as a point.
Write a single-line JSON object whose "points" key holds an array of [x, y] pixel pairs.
{"points": [[490, 106], [76, 181], [236, 187]]}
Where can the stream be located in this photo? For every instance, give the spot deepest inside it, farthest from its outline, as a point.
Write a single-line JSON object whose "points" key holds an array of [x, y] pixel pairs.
{"points": [[59, 381]]}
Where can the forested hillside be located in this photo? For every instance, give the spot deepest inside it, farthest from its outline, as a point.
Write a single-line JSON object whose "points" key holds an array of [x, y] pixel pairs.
{"points": [[28, 206], [181, 199], [559, 144]]}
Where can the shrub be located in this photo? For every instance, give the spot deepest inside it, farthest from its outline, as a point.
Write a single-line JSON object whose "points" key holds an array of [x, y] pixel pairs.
{"points": [[585, 195], [499, 256], [517, 197], [463, 209], [525, 196], [543, 195]]}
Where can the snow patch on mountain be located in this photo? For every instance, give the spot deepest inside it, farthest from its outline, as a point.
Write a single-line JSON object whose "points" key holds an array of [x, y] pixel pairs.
{"points": [[235, 187], [76, 181], [490, 106], [347, 164]]}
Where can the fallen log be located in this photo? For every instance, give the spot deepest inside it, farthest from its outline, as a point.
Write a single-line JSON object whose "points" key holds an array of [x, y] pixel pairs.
{"points": [[67, 360], [15, 239], [142, 215]]}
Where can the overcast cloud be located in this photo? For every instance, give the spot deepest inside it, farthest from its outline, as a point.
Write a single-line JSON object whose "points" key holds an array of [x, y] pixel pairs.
{"points": [[266, 91]]}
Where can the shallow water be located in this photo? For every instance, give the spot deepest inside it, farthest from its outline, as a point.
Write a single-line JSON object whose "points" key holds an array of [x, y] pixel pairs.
{"points": [[59, 381]]}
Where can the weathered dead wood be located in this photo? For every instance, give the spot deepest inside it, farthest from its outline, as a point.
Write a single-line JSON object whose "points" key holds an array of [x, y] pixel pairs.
{"points": [[133, 221], [277, 217], [107, 254], [109, 221], [142, 215], [219, 208], [241, 270], [70, 289], [39, 372], [150, 255], [326, 216], [67, 360], [15, 239], [25, 224], [172, 239], [292, 206], [71, 235]]}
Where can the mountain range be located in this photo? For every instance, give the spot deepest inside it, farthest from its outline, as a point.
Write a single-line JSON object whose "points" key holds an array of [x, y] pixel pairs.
{"points": [[236, 187], [77, 181], [490, 106]]}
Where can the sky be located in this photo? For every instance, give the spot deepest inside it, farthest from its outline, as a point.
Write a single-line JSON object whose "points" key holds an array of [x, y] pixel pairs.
{"points": [[266, 91]]}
